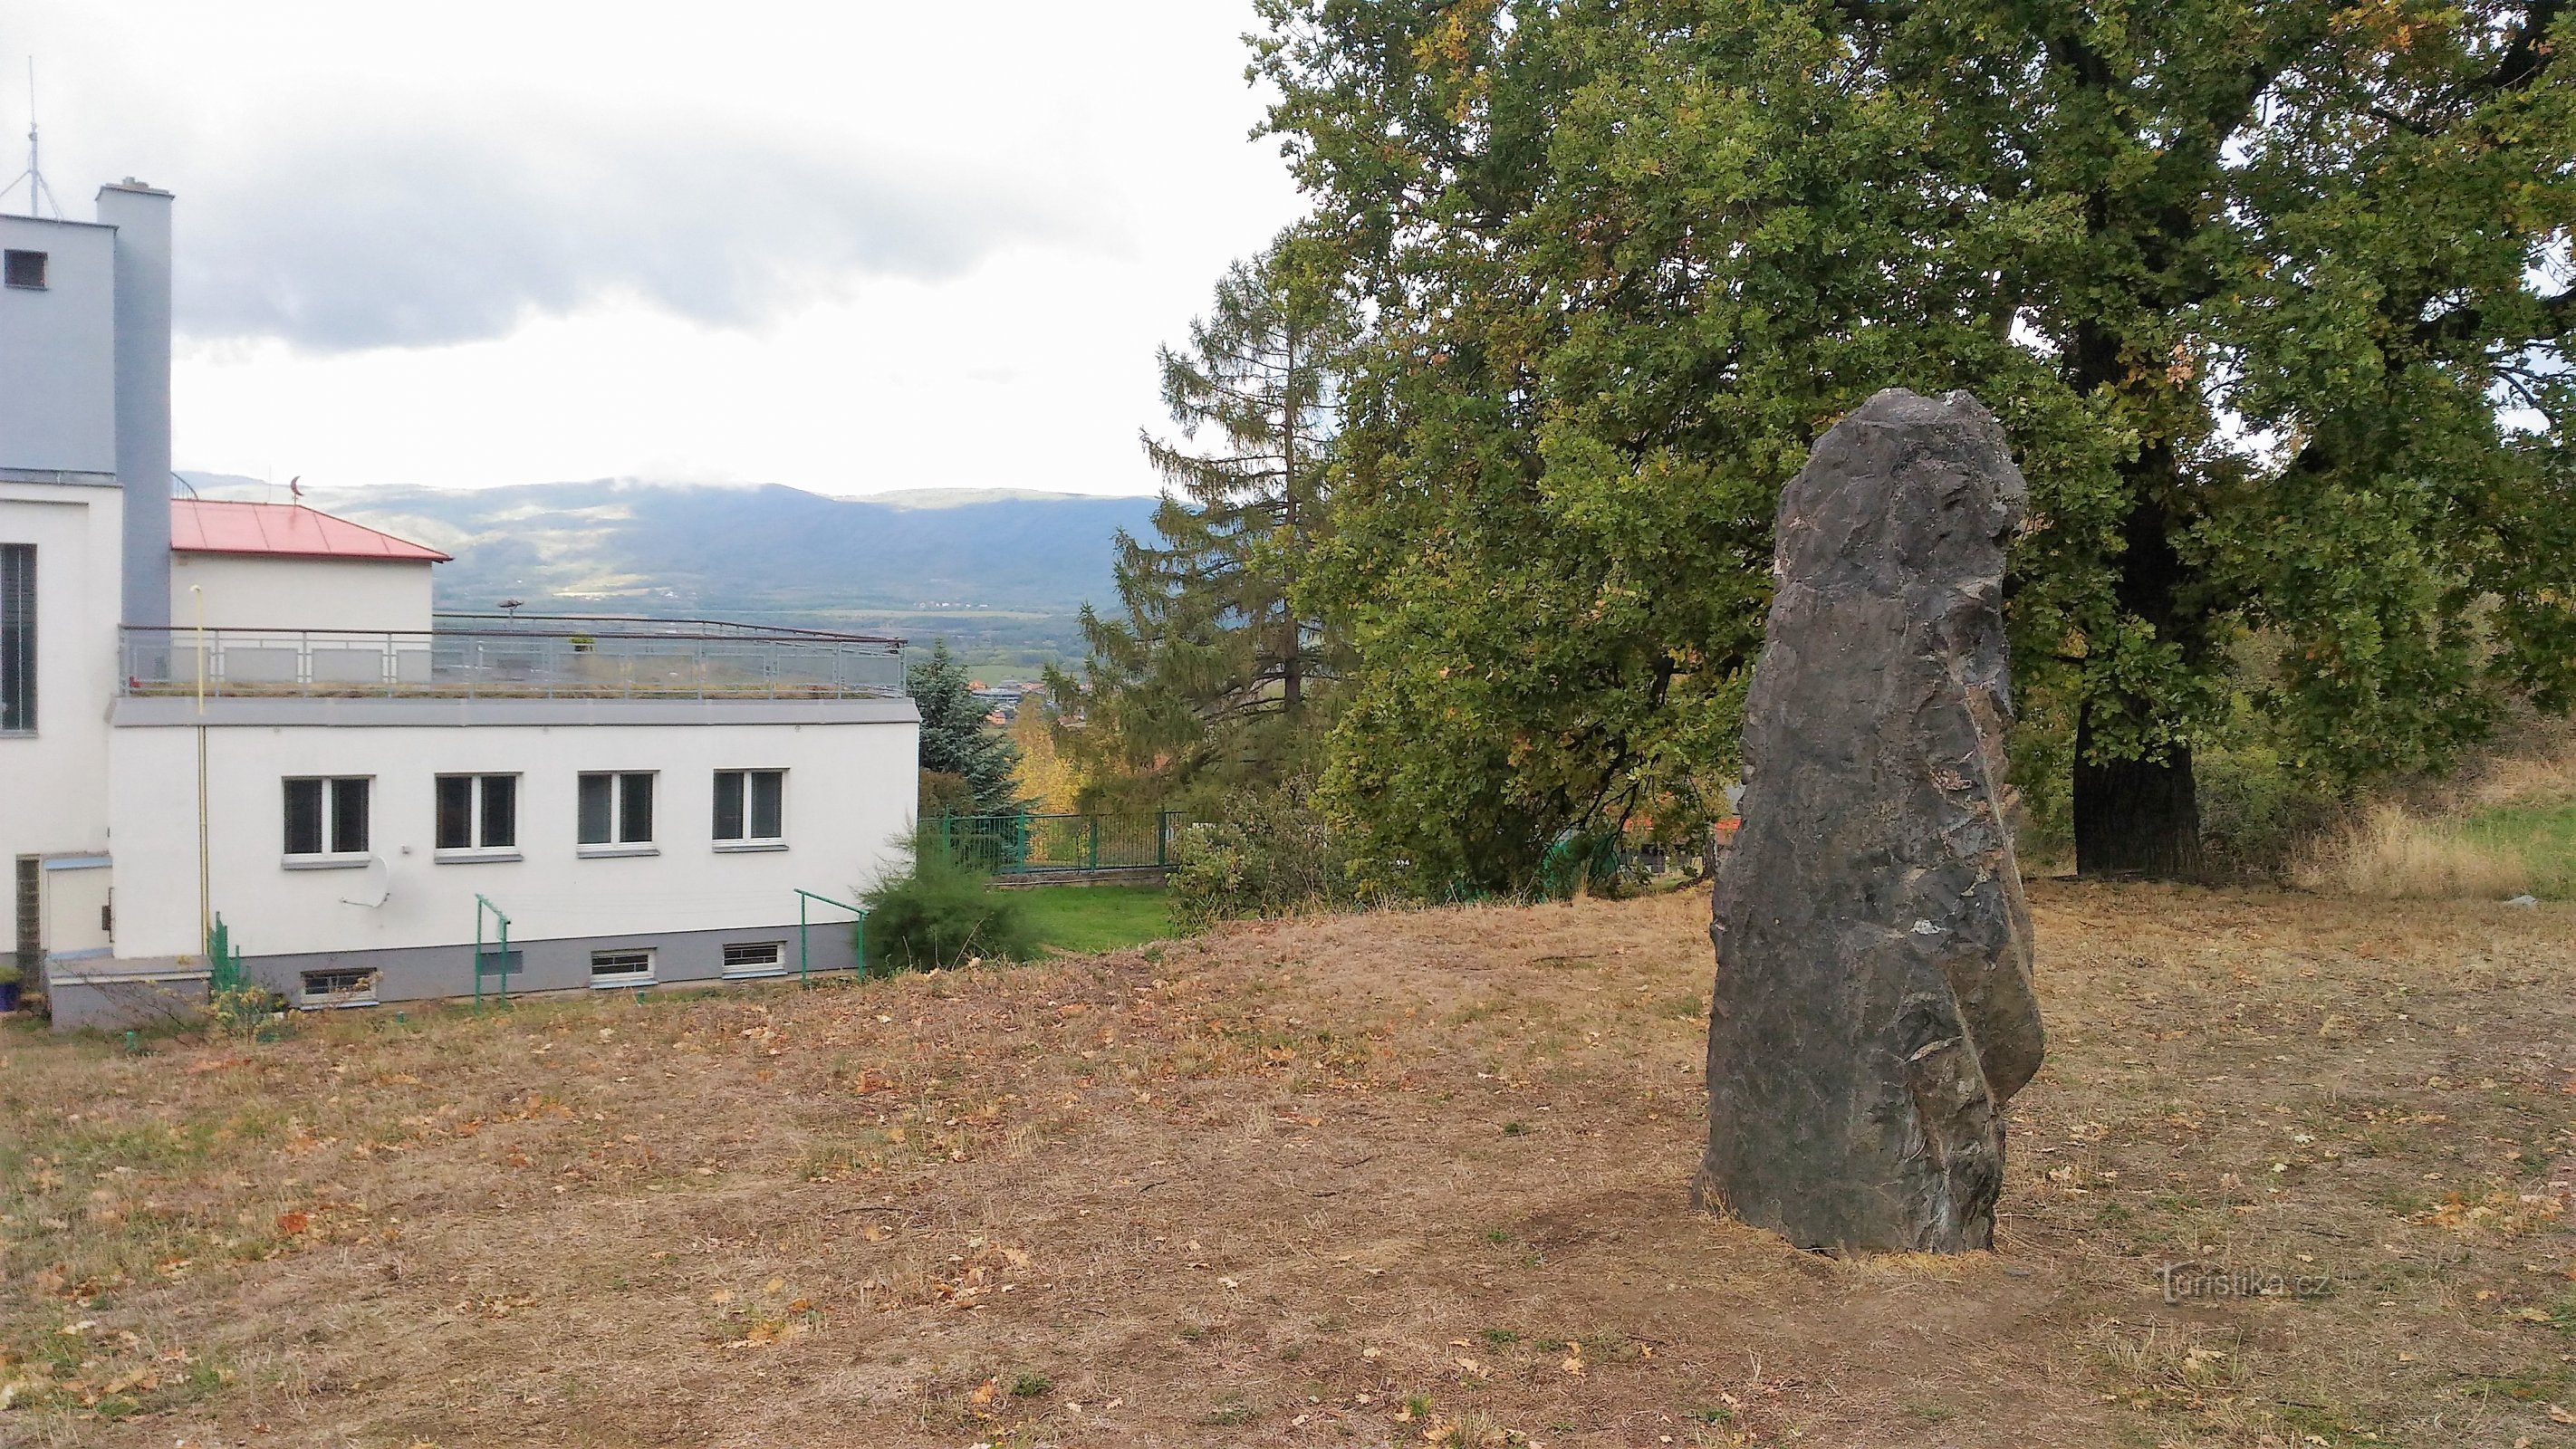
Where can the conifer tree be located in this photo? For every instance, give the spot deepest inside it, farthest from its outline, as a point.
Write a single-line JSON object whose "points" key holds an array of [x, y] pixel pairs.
{"points": [[955, 738], [1208, 675]]}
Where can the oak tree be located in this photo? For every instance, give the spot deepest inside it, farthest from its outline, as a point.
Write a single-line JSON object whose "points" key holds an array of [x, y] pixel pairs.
{"points": [[2271, 295]]}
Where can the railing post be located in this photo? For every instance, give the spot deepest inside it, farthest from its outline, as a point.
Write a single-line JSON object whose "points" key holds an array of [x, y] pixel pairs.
{"points": [[1095, 842]]}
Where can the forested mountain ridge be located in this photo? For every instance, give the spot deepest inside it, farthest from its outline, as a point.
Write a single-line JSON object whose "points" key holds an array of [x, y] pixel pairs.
{"points": [[764, 551]]}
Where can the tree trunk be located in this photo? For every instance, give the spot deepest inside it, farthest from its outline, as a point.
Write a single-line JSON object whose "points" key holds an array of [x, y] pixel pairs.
{"points": [[2135, 817]]}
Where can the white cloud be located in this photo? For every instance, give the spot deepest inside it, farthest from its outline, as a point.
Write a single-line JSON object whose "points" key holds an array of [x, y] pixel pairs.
{"points": [[846, 246], [439, 229]]}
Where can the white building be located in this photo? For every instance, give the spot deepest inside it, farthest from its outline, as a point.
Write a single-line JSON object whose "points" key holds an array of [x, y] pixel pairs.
{"points": [[249, 712]]}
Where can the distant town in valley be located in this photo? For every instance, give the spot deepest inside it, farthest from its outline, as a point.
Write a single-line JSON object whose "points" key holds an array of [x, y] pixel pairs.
{"points": [[1001, 575]]}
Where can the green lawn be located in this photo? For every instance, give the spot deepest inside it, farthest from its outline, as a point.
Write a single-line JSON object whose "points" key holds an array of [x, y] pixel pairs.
{"points": [[1071, 919], [2543, 835]]}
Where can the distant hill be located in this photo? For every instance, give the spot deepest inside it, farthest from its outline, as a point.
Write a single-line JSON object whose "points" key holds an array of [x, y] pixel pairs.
{"points": [[1001, 568]]}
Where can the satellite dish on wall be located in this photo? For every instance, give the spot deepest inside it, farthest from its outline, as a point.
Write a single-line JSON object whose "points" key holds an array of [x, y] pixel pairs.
{"points": [[375, 883]]}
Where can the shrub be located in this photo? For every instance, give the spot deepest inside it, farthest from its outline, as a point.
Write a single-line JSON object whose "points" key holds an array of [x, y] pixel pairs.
{"points": [[2256, 815], [940, 913], [1271, 855]]}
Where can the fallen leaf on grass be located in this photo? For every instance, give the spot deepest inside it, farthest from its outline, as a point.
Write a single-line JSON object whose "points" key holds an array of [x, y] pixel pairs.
{"points": [[292, 1223]]}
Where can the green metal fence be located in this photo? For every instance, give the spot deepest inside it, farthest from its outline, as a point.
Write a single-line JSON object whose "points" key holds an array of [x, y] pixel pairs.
{"points": [[1046, 844], [223, 961]]}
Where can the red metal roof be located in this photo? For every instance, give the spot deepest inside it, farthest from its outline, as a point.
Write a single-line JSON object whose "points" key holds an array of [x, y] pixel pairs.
{"points": [[288, 529]]}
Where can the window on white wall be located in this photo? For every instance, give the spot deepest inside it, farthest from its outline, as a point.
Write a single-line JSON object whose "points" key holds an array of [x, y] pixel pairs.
{"points": [[621, 968], [24, 269], [751, 807], [616, 810], [327, 818], [755, 958], [17, 638], [478, 813], [338, 986]]}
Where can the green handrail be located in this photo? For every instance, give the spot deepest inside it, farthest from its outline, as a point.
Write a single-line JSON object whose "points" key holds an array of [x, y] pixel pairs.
{"points": [[481, 905], [804, 957]]}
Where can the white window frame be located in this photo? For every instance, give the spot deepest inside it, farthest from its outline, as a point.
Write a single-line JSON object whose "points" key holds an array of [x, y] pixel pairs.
{"points": [[329, 858], [480, 851], [747, 841], [617, 844], [777, 965], [623, 979]]}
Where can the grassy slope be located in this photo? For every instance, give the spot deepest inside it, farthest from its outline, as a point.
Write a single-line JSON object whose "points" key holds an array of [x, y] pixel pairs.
{"points": [[1335, 1181], [2544, 836], [1077, 919]]}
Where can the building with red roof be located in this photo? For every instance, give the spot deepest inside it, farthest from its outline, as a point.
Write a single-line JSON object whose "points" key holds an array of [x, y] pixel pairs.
{"points": [[284, 530], [286, 566]]}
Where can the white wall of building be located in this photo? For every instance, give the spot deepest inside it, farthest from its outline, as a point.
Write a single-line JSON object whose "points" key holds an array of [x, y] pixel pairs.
{"points": [[268, 591], [53, 783], [58, 351], [849, 795]]}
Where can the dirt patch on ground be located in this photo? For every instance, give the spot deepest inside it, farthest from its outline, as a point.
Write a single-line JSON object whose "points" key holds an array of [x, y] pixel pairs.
{"points": [[1408, 1178]]}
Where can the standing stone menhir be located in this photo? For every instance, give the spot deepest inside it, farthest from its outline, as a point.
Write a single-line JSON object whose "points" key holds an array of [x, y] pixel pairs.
{"points": [[1873, 1009]]}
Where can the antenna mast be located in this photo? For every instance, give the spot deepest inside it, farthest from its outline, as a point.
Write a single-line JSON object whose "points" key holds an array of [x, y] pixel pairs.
{"points": [[34, 175]]}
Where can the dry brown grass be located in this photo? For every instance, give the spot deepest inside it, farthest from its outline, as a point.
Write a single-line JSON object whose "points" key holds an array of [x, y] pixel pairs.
{"points": [[2391, 853], [1414, 1178], [2537, 768]]}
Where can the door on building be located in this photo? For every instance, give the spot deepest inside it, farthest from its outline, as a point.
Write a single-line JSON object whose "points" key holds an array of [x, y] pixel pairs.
{"points": [[79, 915]]}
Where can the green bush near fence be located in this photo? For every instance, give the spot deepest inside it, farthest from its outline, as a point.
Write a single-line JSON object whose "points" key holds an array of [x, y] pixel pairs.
{"points": [[942, 912], [1272, 855]]}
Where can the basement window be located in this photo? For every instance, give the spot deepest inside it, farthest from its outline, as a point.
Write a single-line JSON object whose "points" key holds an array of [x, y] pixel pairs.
{"points": [[326, 821], [621, 968], [478, 817], [25, 269], [616, 814], [751, 809], [338, 986], [755, 958]]}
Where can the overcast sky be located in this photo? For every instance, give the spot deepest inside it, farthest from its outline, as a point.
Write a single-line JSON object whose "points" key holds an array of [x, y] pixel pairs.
{"points": [[847, 246]]}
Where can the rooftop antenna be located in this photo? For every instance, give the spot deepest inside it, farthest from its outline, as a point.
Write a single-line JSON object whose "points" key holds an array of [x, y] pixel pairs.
{"points": [[34, 175]]}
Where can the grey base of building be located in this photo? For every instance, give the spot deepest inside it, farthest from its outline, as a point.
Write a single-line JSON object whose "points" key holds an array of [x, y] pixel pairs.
{"points": [[142, 995]]}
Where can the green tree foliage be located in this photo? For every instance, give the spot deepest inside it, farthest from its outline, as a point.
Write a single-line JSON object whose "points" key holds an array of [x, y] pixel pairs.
{"points": [[956, 738], [2271, 297], [1209, 676], [941, 912]]}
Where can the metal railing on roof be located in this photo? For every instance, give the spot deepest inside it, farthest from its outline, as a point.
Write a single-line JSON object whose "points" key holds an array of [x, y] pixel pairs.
{"points": [[479, 656]]}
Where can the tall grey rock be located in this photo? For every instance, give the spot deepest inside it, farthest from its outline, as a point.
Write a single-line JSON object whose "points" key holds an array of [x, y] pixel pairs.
{"points": [[1873, 1009]]}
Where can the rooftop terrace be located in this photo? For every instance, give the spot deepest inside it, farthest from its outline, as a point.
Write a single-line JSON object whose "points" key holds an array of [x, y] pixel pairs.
{"points": [[526, 656]]}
